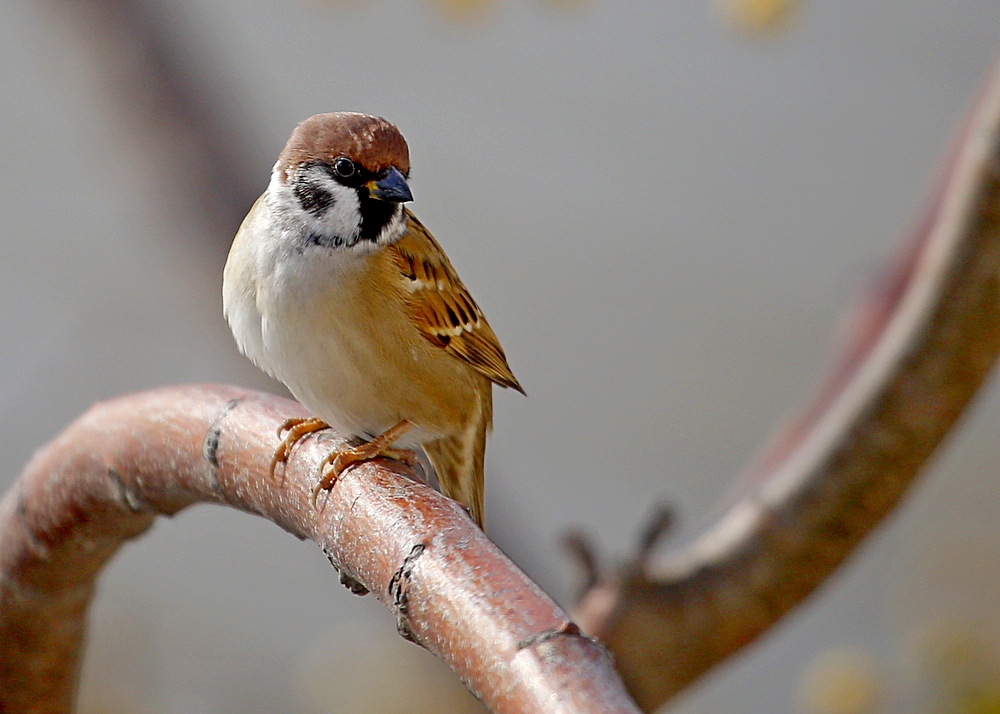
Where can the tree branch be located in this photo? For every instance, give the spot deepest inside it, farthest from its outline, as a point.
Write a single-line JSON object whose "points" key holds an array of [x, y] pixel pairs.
{"points": [[919, 348], [183, 121], [107, 476]]}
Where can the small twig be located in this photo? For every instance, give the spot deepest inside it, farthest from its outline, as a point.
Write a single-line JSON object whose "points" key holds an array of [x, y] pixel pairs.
{"points": [[658, 527], [581, 553]]}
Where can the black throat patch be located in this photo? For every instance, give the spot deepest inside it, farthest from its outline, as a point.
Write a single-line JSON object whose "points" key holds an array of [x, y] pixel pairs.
{"points": [[375, 215]]}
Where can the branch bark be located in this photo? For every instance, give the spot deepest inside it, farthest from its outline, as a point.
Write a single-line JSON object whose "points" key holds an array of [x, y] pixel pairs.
{"points": [[920, 346], [107, 476]]}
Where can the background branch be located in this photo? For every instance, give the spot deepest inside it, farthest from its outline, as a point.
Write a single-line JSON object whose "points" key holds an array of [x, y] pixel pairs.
{"points": [[106, 478], [920, 346], [182, 118]]}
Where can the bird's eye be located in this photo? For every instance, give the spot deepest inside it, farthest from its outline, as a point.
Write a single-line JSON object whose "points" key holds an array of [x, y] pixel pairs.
{"points": [[344, 167]]}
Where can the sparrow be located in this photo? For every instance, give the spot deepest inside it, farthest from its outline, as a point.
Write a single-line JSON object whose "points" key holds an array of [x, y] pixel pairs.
{"points": [[334, 288]]}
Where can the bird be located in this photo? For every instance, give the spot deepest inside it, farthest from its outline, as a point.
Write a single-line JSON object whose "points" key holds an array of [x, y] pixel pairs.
{"points": [[335, 288]]}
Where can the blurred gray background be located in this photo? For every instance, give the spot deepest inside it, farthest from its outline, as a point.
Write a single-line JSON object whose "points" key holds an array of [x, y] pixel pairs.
{"points": [[662, 216]]}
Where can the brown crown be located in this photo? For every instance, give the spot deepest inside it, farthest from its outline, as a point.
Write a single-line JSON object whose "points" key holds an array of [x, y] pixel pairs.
{"points": [[368, 141]]}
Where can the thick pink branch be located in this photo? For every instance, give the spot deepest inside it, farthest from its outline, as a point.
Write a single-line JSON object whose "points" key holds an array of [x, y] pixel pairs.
{"points": [[106, 478]]}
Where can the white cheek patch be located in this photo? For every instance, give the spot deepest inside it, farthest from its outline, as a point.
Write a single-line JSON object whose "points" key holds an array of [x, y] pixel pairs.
{"points": [[343, 217], [339, 221], [339, 218]]}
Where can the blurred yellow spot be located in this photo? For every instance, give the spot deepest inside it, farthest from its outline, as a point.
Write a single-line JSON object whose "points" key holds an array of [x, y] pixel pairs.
{"points": [[568, 5], [983, 703], [957, 658], [839, 682], [465, 11], [758, 17], [955, 655]]}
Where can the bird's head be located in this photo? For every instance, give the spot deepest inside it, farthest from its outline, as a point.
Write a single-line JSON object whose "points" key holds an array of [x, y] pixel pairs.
{"points": [[344, 176]]}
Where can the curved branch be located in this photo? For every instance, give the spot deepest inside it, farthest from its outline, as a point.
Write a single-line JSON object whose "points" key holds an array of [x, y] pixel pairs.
{"points": [[920, 347], [107, 476]]}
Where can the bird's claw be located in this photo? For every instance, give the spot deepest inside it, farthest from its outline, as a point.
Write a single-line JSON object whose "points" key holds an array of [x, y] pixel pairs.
{"points": [[291, 432], [342, 459]]}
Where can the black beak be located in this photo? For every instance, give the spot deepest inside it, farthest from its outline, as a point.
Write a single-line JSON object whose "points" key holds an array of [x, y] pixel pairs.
{"points": [[391, 187]]}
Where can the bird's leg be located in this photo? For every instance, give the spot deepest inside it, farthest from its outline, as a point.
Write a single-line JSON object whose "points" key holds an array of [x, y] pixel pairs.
{"points": [[341, 460], [297, 429]]}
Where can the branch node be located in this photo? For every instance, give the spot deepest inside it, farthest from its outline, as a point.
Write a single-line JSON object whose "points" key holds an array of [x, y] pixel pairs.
{"points": [[398, 590], [210, 449], [346, 580], [566, 628], [126, 495], [353, 585], [40, 549]]}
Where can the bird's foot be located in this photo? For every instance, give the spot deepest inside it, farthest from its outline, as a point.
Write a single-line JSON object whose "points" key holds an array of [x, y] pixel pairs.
{"points": [[297, 429], [381, 446]]}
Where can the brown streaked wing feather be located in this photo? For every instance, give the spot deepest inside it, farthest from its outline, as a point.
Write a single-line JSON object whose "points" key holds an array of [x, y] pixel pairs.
{"points": [[443, 310]]}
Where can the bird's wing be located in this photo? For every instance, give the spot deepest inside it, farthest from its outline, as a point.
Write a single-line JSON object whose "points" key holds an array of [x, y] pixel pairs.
{"points": [[442, 309]]}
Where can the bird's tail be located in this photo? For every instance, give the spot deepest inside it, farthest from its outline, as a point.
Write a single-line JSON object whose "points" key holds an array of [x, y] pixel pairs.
{"points": [[458, 464]]}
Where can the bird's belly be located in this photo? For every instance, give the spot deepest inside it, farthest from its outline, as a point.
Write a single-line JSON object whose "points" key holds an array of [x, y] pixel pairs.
{"points": [[361, 376]]}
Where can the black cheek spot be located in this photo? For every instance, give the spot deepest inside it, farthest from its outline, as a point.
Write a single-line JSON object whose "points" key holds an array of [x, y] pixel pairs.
{"points": [[312, 198], [324, 241]]}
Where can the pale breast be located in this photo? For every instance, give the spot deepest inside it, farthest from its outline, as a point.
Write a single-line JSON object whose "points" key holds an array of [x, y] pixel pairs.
{"points": [[239, 289], [334, 330]]}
